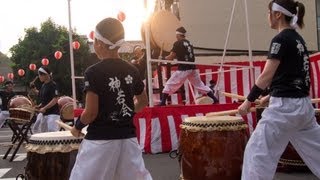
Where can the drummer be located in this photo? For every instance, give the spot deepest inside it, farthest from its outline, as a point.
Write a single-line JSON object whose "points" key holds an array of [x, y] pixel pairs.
{"points": [[290, 116], [48, 107], [110, 149], [183, 51], [140, 61], [5, 96]]}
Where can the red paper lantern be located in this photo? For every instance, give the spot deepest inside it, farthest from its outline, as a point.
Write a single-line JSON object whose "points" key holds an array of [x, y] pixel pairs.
{"points": [[58, 55], [1, 79], [91, 35], [121, 16], [76, 45], [32, 67], [21, 72], [45, 61], [10, 76]]}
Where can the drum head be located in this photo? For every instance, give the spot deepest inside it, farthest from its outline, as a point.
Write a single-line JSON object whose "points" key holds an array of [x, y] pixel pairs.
{"points": [[204, 100], [64, 100], [143, 36], [19, 101], [67, 111], [163, 25]]}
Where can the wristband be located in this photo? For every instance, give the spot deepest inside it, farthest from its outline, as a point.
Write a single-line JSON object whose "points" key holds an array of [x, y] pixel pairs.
{"points": [[254, 93], [79, 125]]}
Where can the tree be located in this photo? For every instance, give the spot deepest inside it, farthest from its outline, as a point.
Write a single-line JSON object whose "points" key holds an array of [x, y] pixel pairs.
{"points": [[44, 42]]}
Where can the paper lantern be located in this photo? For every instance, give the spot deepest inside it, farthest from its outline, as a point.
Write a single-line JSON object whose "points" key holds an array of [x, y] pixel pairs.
{"points": [[91, 35], [58, 55], [1, 79], [76, 45], [21, 72], [10, 76], [32, 67], [121, 16], [45, 61]]}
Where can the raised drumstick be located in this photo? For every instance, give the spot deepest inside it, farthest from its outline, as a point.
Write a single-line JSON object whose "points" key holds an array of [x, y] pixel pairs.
{"points": [[243, 98], [227, 113], [64, 125]]}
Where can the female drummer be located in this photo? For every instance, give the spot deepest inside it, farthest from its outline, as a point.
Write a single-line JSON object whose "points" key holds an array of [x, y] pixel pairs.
{"points": [[110, 149], [48, 107], [290, 115]]}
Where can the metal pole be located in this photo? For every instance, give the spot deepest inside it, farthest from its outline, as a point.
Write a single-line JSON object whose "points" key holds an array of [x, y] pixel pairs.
{"points": [[71, 58], [149, 71], [252, 78]]}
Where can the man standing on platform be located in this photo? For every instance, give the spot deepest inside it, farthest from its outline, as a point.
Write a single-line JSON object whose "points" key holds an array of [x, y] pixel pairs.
{"points": [[183, 51]]}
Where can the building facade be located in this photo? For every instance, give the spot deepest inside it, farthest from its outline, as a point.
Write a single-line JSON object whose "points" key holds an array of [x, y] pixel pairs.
{"points": [[207, 24]]}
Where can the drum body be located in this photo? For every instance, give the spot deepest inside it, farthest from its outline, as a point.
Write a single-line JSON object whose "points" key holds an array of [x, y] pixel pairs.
{"points": [[290, 160], [51, 156], [212, 147], [66, 108], [20, 109]]}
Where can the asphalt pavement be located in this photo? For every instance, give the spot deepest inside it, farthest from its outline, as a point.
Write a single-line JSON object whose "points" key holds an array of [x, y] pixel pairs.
{"points": [[161, 166]]}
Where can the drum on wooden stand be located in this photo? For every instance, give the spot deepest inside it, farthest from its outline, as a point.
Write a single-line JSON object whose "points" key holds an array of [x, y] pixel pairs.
{"points": [[51, 156], [20, 109], [212, 147], [290, 160], [66, 108]]}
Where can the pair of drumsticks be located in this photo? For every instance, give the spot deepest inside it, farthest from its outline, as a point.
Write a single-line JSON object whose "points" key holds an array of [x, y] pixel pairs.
{"points": [[252, 109]]}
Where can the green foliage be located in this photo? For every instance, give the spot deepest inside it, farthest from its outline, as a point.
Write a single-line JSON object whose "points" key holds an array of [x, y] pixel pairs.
{"points": [[44, 42]]}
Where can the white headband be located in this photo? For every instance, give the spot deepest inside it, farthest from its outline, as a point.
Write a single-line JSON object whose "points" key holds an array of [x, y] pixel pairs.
{"points": [[42, 70], [108, 42], [177, 32], [294, 20]]}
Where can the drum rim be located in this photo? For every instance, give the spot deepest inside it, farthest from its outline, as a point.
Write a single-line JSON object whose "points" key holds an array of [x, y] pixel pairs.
{"points": [[25, 109], [203, 124], [46, 136]]}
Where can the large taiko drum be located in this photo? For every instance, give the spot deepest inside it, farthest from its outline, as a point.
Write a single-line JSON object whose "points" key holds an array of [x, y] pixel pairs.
{"points": [[212, 147], [20, 109], [66, 108], [290, 160], [51, 156]]}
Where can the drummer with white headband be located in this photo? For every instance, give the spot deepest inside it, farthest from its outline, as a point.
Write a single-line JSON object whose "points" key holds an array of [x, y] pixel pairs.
{"points": [[48, 107], [290, 116], [110, 149]]}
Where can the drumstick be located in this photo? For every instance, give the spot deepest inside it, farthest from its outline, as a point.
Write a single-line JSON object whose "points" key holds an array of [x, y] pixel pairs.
{"points": [[243, 98], [229, 112], [64, 125], [315, 100]]}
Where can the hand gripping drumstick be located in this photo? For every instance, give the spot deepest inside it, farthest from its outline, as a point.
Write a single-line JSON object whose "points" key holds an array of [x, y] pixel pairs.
{"points": [[66, 126], [229, 112], [316, 100], [243, 98]]}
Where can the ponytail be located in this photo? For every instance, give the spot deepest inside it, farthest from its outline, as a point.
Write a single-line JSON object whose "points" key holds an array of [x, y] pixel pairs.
{"points": [[301, 12]]}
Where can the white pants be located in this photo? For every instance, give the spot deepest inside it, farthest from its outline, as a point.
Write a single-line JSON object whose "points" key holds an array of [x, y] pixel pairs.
{"points": [[3, 116], [110, 160], [46, 123], [286, 119], [179, 77]]}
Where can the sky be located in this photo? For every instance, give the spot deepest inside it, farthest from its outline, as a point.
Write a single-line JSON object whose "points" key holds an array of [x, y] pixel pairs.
{"points": [[16, 15]]}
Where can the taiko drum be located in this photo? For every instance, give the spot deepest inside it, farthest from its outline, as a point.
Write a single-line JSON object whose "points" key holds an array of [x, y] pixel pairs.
{"points": [[212, 147]]}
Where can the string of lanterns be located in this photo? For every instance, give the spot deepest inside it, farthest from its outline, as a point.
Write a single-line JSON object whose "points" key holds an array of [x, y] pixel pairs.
{"points": [[121, 16]]}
